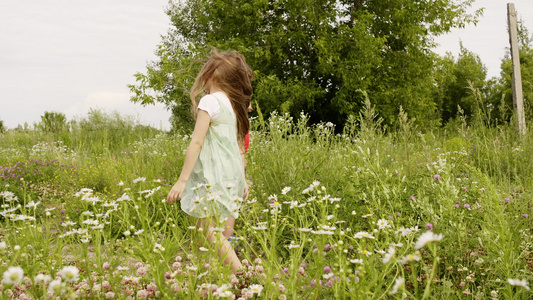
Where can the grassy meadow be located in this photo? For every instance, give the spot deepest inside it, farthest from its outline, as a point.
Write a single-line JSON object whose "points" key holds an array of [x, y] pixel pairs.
{"points": [[357, 213]]}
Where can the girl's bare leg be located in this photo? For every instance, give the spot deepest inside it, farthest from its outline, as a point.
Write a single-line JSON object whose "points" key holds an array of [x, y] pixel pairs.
{"points": [[217, 239], [228, 228]]}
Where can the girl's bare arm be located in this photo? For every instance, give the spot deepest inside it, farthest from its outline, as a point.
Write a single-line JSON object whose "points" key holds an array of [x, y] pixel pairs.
{"points": [[200, 131]]}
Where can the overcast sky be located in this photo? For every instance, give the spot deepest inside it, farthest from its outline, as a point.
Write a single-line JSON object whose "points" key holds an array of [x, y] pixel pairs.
{"points": [[70, 56]]}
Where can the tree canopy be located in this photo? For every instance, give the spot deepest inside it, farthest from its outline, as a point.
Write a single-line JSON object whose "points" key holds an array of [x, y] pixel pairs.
{"points": [[317, 56]]}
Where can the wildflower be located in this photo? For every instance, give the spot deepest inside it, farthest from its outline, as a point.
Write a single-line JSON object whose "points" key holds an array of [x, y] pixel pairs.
{"points": [[467, 206], [390, 253], [293, 246], [204, 249], [285, 190], [331, 200], [42, 279], [259, 227], [382, 224], [109, 295], [8, 196], [57, 287], [327, 269], [69, 273], [362, 234], [13, 275], [192, 268], [409, 258], [515, 282], [356, 261], [158, 247], [127, 233], [124, 197], [507, 200], [32, 204], [121, 183], [91, 222], [525, 215], [3, 245], [365, 252], [122, 268], [142, 294], [68, 223], [320, 232], [256, 289], [427, 237], [138, 232], [366, 216], [436, 177], [139, 179], [326, 227], [398, 283], [429, 226]]}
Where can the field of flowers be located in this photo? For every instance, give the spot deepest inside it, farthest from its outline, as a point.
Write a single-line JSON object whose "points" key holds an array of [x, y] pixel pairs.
{"points": [[360, 214]]}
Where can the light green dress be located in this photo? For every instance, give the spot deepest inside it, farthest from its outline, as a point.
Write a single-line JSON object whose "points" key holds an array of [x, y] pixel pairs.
{"points": [[216, 184]]}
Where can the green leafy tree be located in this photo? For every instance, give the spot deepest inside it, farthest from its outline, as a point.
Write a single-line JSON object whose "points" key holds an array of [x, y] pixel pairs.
{"points": [[55, 122], [309, 55], [2, 127], [455, 79]]}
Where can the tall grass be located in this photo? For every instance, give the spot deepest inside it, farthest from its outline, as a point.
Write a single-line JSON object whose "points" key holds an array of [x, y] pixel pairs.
{"points": [[330, 215]]}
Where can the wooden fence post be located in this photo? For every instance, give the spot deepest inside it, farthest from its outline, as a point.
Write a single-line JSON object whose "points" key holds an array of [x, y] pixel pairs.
{"points": [[518, 96]]}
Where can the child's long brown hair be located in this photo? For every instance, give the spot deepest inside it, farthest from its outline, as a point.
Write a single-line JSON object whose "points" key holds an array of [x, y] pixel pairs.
{"points": [[230, 73]]}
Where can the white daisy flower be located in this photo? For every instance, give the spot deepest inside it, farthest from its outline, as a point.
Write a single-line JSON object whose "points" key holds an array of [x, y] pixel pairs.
{"points": [[390, 253], [356, 261], [13, 275], [69, 273], [56, 287], [42, 279], [382, 224], [32, 204], [409, 258], [256, 289], [515, 282], [285, 190], [139, 179], [427, 237], [398, 283]]}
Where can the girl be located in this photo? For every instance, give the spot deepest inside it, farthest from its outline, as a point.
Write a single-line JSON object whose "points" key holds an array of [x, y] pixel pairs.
{"points": [[211, 185]]}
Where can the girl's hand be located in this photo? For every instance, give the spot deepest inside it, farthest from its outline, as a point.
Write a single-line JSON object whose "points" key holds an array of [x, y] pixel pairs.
{"points": [[176, 191], [246, 190]]}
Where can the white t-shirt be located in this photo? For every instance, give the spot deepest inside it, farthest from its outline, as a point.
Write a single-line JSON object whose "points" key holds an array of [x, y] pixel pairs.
{"points": [[210, 104]]}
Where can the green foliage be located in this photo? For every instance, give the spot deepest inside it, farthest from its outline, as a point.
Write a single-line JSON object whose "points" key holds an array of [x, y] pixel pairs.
{"points": [[106, 132], [2, 127], [309, 55], [455, 78], [54, 122]]}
